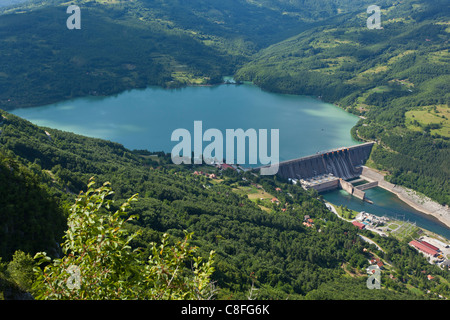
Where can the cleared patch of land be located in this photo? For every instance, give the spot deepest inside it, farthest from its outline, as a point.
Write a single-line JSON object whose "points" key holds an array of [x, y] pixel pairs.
{"points": [[256, 194], [434, 119], [346, 213]]}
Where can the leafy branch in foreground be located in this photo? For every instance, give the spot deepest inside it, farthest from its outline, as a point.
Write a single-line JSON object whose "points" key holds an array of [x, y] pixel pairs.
{"points": [[99, 263]]}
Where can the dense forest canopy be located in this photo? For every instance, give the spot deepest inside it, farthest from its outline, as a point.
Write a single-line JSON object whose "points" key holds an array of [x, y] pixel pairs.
{"points": [[134, 44]]}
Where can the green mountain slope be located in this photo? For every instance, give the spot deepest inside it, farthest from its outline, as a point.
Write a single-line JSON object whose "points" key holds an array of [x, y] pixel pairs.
{"points": [[134, 44], [124, 44], [268, 247], [102, 58], [32, 219], [389, 76]]}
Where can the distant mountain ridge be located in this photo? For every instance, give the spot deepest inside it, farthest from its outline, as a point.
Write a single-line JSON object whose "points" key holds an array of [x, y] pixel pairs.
{"points": [[123, 45], [390, 77]]}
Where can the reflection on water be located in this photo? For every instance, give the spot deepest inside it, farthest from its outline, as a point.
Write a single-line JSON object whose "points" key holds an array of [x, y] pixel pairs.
{"points": [[387, 204]]}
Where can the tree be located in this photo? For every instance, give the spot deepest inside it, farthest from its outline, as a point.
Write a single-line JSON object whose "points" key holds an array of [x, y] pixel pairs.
{"points": [[99, 263], [20, 270]]}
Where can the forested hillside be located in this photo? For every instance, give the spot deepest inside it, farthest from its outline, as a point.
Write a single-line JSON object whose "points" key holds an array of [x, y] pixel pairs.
{"points": [[105, 57], [32, 225], [267, 247], [396, 77], [134, 44]]}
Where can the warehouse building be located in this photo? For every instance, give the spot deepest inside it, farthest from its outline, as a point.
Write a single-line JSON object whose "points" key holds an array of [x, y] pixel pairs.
{"points": [[424, 248]]}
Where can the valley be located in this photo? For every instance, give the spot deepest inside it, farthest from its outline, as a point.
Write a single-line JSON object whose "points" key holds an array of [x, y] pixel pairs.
{"points": [[102, 101]]}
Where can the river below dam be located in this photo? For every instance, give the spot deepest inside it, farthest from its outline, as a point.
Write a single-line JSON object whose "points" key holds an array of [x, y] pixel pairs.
{"points": [[146, 119], [389, 205]]}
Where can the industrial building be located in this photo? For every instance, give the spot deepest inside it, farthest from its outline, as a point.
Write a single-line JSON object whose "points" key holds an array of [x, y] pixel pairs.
{"points": [[425, 247], [358, 224]]}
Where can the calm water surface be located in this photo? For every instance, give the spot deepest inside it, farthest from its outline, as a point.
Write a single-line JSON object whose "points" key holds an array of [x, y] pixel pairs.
{"points": [[145, 119], [387, 204]]}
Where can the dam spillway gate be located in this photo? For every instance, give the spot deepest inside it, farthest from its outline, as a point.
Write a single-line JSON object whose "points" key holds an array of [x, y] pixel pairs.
{"points": [[330, 170]]}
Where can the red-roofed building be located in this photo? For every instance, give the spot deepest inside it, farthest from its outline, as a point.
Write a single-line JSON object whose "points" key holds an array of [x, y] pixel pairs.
{"points": [[429, 245], [225, 166], [420, 246], [358, 224]]}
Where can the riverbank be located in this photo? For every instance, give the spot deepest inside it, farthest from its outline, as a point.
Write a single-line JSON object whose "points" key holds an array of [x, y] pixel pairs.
{"points": [[415, 200]]}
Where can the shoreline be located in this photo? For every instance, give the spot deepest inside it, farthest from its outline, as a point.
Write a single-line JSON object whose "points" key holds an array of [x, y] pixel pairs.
{"points": [[419, 202]]}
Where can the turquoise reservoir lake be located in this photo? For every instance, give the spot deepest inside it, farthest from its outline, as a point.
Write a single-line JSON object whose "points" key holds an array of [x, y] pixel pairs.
{"points": [[145, 119]]}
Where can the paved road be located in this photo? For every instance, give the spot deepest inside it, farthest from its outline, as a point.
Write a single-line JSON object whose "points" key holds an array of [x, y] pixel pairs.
{"points": [[371, 241], [332, 209]]}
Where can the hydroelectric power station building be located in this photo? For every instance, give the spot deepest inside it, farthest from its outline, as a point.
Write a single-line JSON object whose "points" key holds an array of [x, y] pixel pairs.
{"points": [[330, 170]]}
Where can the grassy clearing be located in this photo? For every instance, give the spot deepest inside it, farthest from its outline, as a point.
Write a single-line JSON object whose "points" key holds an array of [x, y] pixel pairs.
{"points": [[187, 78], [258, 195], [431, 118], [439, 57], [399, 56], [367, 75], [346, 213], [333, 64], [374, 70], [393, 226], [253, 192], [414, 290]]}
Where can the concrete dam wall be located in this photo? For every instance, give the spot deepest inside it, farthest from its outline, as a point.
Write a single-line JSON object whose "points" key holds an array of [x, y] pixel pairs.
{"points": [[350, 188], [344, 163]]}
